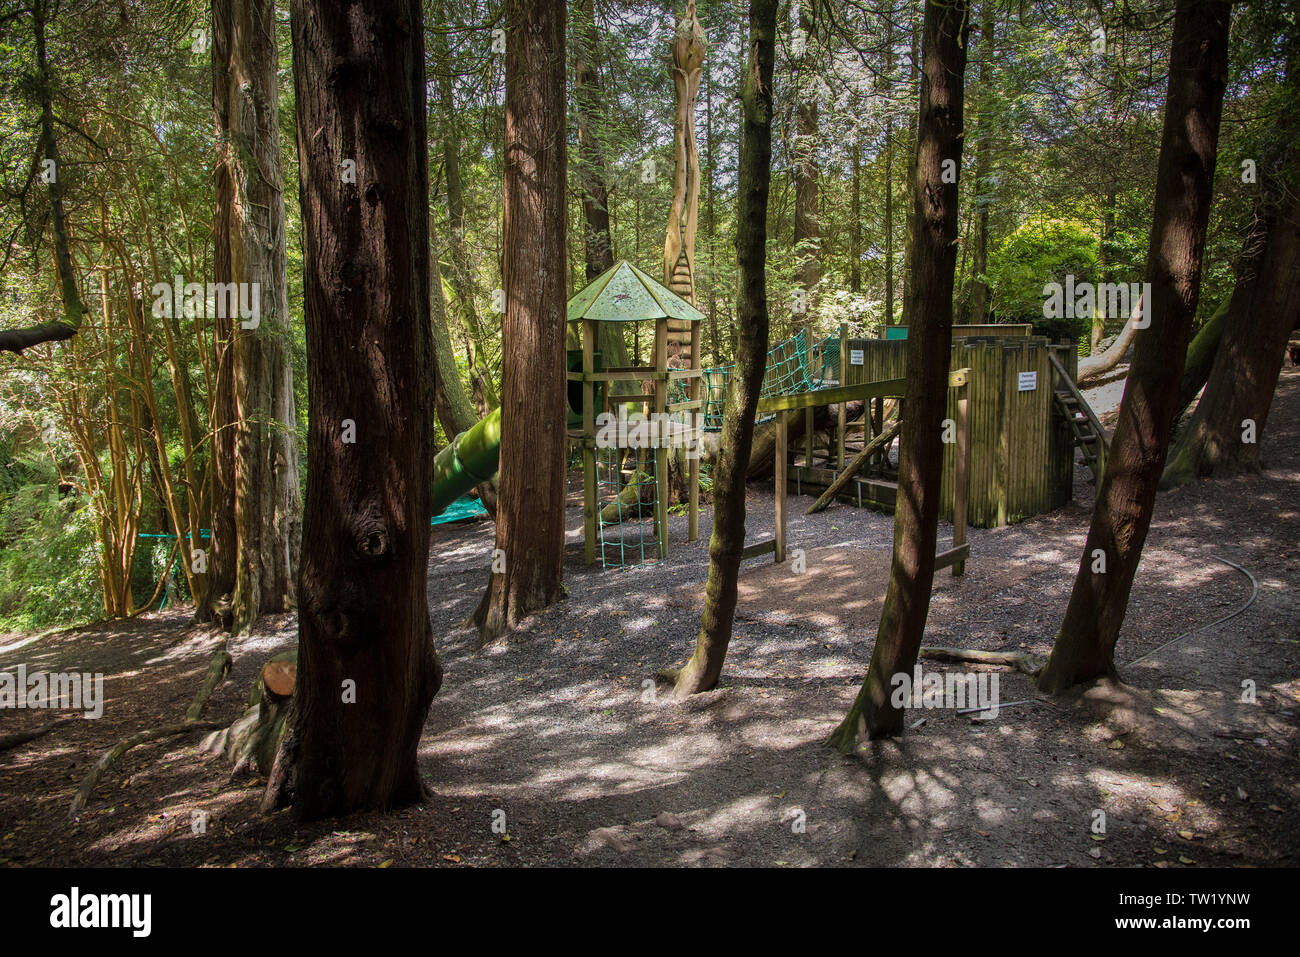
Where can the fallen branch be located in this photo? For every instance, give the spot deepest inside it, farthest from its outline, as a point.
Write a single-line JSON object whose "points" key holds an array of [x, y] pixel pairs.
{"points": [[22, 737], [881, 440], [91, 780], [1020, 660], [1094, 367]]}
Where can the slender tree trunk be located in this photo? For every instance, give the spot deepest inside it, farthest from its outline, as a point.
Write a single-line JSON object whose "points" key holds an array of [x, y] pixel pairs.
{"points": [[461, 269], [889, 221], [1227, 428], [855, 219], [983, 164], [1103, 264], [530, 511], [455, 412], [909, 241], [889, 175], [367, 669], [1085, 647], [728, 541], [264, 509], [929, 338], [711, 218], [807, 225]]}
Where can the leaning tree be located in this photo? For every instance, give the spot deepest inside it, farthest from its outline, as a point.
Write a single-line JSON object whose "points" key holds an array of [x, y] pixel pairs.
{"points": [[1198, 67], [728, 541], [920, 460]]}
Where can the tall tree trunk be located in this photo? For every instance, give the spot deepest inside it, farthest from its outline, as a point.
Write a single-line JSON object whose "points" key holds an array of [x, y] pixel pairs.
{"points": [[909, 241], [367, 669], [889, 221], [807, 226], [263, 501], [1085, 647], [1103, 263], [855, 218], [983, 167], [711, 218], [888, 228], [929, 339], [455, 412], [1227, 428], [530, 511], [728, 541]]}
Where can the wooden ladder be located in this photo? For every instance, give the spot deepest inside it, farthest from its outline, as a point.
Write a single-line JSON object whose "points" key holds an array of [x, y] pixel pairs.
{"points": [[1089, 436]]}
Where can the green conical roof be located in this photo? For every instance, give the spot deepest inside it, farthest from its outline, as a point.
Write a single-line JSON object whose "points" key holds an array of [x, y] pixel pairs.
{"points": [[624, 293]]}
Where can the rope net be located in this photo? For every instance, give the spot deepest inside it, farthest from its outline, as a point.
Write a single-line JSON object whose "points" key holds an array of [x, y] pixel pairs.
{"points": [[792, 366]]}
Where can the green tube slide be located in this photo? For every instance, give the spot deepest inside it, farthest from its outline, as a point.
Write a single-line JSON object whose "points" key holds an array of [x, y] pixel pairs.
{"points": [[469, 460], [473, 456]]}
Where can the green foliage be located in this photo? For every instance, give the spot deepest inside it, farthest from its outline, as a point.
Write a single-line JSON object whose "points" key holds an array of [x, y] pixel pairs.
{"points": [[48, 571], [1038, 253]]}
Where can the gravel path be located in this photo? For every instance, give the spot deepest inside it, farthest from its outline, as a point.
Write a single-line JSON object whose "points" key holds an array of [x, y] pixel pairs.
{"points": [[560, 735]]}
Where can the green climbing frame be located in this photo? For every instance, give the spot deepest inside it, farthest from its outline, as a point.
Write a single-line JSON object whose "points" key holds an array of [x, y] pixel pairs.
{"points": [[792, 366], [628, 537]]}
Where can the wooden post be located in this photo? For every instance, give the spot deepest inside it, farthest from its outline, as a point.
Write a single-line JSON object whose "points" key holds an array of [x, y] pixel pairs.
{"points": [[693, 393], [961, 475], [590, 506], [662, 483], [782, 437], [844, 380]]}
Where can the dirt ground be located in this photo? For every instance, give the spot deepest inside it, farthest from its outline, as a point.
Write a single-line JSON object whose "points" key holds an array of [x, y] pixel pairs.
{"points": [[560, 728]]}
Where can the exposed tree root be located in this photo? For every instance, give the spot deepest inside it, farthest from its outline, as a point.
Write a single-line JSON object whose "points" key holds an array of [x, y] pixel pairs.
{"points": [[1022, 661], [216, 673], [91, 780], [22, 737]]}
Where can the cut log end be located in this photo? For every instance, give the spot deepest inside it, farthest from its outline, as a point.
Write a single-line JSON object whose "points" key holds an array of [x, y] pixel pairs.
{"points": [[280, 676]]}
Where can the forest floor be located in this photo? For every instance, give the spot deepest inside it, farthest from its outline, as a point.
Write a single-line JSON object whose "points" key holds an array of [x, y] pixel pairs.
{"points": [[555, 727]]}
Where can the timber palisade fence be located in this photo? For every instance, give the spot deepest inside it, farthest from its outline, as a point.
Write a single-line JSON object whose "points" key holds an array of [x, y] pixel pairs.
{"points": [[1022, 448]]}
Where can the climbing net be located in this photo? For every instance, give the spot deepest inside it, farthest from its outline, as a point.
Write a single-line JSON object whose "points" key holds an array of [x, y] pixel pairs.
{"points": [[792, 366], [627, 493]]}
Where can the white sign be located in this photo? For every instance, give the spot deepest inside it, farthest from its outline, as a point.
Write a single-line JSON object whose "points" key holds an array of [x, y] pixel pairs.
{"points": [[856, 358], [1028, 382]]}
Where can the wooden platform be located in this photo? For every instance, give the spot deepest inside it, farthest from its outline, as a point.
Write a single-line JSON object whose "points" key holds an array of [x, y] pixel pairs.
{"points": [[862, 491]]}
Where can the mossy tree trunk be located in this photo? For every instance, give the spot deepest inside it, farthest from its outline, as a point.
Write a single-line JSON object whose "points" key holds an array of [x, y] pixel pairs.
{"points": [[597, 242], [728, 541], [257, 507]]}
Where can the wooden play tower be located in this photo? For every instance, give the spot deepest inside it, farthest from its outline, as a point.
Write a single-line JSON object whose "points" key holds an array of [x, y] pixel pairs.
{"points": [[624, 293]]}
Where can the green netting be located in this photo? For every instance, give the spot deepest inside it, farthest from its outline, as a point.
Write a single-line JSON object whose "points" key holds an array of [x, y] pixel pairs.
{"points": [[792, 366], [626, 520]]}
